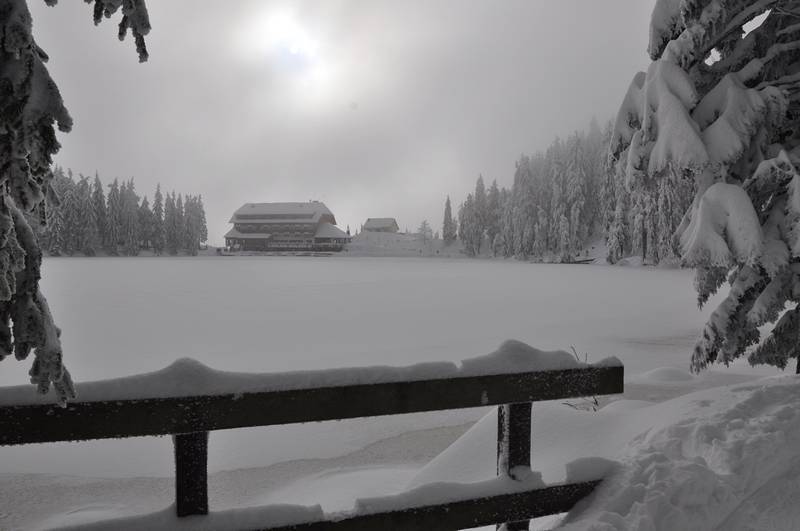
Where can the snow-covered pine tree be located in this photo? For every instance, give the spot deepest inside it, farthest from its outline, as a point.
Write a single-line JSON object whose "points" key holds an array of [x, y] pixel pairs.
{"points": [[594, 168], [30, 109], [481, 210], [100, 213], [507, 223], [542, 233], [114, 219], [157, 236], [497, 245], [146, 224], [528, 240], [650, 229], [180, 220], [574, 199], [449, 224], [87, 237], [469, 228], [493, 212], [191, 235], [616, 239], [609, 193], [425, 232], [130, 219], [566, 180], [70, 206], [172, 238], [201, 213], [731, 124], [637, 227], [564, 254]]}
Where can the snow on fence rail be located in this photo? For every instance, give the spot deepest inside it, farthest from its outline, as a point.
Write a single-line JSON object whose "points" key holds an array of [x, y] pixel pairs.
{"points": [[511, 378]]}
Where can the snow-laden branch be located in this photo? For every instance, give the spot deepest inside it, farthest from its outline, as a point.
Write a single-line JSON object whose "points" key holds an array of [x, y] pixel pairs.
{"points": [[724, 230], [31, 108]]}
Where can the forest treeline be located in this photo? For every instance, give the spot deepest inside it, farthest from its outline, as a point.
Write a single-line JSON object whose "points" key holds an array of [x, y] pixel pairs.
{"points": [[82, 218], [566, 197]]}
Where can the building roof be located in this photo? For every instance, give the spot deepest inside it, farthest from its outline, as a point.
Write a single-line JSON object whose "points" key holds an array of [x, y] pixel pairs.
{"points": [[309, 212], [235, 234], [381, 223], [326, 230]]}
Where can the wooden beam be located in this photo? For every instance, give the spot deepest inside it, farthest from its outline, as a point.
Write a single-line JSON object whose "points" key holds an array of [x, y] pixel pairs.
{"points": [[514, 449], [165, 416], [191, 473], [465, 514]]}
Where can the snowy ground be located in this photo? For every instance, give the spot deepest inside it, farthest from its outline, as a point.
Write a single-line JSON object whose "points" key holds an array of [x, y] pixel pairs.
{"points": [[125, 316]]}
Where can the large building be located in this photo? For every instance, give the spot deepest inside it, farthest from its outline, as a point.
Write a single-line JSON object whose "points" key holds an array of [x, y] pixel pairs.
{"points": [[381, 225], [285, 227]]}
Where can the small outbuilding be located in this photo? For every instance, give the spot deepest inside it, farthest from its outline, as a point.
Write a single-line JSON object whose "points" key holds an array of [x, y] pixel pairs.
{"points": [[381, 225]]}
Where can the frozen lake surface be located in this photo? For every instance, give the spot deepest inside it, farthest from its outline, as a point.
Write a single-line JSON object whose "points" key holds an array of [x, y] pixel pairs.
{"points": [[123, 316]]}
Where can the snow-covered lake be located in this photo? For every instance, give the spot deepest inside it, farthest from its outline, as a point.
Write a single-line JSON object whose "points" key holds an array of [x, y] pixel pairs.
{"points": [[122, 316]]}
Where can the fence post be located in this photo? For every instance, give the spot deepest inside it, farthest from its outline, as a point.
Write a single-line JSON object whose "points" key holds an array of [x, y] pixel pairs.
{"points": [[514, 448], [191, 473]]}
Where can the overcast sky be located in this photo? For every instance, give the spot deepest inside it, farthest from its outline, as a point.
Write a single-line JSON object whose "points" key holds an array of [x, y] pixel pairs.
{"points": [[377, 108]]}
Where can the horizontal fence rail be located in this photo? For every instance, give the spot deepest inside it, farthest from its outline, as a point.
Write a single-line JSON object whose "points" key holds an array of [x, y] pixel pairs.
{"points": [[39, 423], [189, 419]]}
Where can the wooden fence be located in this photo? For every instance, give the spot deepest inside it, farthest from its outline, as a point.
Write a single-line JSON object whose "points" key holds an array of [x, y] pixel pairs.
{"points": [[189, 419]]}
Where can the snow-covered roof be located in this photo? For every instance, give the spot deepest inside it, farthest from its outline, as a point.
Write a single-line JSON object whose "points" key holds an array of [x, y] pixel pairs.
{"points": [[233, 233], [381, 223], [309, 212], [327, 230]]}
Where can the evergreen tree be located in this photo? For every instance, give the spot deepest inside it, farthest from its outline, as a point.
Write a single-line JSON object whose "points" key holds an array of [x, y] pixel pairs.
{"points": [[731, 126], [469, 228], [171, 225], [449, 224], [87, 237], [569, 180], [192, 229], [617, 243], [493, 213], [100, 213], [564, 240], [114, 219], [130, 219], [180, 220], [424, 231], [146, 224], [158, 233], [53, 233], [480, 214], [201, 212], [31, 109], [70, 207]]}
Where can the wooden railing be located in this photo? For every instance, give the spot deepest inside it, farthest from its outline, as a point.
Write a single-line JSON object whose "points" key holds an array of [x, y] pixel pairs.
{"points": [[189, 419]]}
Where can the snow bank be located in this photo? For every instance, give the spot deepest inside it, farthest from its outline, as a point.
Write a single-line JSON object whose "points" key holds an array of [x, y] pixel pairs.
{"points": [[708, 460], [664, 375], [188, 377], [516, 356]]}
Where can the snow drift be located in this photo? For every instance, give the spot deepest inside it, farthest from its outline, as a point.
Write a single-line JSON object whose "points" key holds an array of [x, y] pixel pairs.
{"points": [[719, 459]]}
